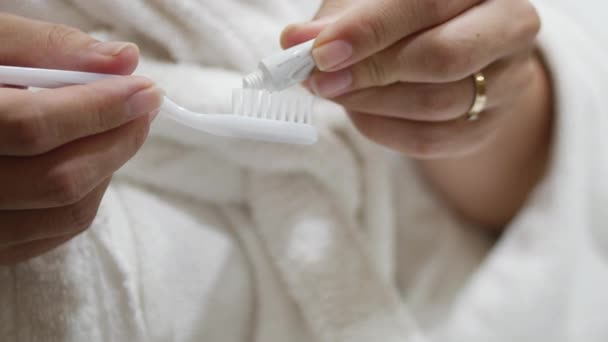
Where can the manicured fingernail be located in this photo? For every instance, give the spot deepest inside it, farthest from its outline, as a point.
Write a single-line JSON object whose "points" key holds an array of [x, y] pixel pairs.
{"points": [[331, 55], [332, 84], [112, 49], [144, 101]]}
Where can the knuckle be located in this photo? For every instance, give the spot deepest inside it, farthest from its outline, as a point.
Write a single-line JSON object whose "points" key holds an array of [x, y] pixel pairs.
{"points": [[63, 187], [82, 214], [57, 35], [96, 107], [375, 29], [528, 28], [446, 60], [375, 73], [24, 132]]}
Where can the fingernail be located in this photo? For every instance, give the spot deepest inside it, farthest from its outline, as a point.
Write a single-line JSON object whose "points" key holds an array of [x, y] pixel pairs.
{"points": [[333, 84], [331, 55], [144, 101], [112, 49]]}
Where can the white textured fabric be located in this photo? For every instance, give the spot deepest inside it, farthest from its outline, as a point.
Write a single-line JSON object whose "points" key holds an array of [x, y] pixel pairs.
{"points": [[208, 239]]}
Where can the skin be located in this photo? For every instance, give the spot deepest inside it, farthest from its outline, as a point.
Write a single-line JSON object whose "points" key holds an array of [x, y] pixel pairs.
{"points": [[402, 69], [404, 79], [60, 147]]}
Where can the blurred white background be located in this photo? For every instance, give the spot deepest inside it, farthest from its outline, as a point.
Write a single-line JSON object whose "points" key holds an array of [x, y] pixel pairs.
{"points": [[591, 11]]}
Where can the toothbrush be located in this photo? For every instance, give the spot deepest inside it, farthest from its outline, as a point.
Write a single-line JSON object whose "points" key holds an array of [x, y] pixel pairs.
{"points": [[258, 113]]}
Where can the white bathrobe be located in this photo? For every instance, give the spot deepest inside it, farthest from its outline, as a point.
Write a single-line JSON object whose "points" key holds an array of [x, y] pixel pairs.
{"points": [[209, 239]]}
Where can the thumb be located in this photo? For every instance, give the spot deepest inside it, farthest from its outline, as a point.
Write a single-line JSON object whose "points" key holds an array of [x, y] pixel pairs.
{"points": [[328, 13], [39, 44]]}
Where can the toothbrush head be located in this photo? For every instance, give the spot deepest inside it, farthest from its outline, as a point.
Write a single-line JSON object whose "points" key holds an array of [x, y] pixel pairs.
{"points": [[284, 117], [279, 106]]}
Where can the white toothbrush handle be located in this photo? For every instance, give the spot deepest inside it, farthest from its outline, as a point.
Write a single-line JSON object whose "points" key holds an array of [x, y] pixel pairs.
{"points": [[50, 78], [46, 78]]}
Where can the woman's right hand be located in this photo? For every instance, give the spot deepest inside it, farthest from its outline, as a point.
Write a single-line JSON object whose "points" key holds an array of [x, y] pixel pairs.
{"points": [[60, 147]]}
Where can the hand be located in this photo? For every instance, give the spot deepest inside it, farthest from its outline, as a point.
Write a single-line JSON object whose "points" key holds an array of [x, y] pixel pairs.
{"points": [[59, 148], [403, 68]]}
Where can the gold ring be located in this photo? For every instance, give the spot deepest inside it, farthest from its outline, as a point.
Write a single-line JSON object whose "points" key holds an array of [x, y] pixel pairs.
{"points": [[481, 97]]}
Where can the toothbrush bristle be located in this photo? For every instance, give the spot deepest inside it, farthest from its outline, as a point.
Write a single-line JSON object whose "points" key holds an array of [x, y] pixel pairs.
{"points": [[265, 105]]}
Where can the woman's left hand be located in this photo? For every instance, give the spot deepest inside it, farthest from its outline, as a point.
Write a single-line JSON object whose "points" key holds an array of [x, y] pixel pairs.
{"points": [[403, 68]]}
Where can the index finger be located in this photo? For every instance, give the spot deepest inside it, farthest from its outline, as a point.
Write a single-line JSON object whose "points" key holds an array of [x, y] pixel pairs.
{"points": [[32, 43], [369, 27]]}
